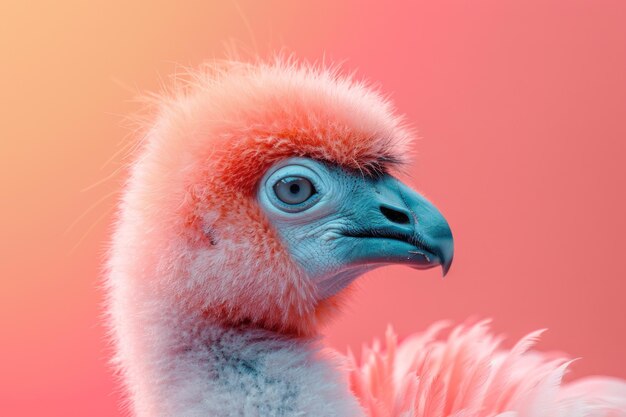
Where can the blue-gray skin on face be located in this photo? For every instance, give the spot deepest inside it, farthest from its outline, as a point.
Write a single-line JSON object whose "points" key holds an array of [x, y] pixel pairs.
{"points": [[338, 224]]}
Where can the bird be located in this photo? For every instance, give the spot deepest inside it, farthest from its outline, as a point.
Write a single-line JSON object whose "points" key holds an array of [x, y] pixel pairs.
{"points": [[258, 193]]}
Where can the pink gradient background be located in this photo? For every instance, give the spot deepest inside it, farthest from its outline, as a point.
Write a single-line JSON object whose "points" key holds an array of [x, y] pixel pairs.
{"points": [[521, 107]]}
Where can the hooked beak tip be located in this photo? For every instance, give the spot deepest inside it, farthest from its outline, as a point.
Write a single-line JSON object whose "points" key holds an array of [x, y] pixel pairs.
{"points": [[446, 255]]}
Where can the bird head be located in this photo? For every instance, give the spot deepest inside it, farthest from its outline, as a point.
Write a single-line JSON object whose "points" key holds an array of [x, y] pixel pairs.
{"points": [[261, 191]]}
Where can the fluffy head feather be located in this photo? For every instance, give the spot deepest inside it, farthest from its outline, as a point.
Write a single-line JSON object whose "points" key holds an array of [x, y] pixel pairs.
{"points": [[190, 229]]}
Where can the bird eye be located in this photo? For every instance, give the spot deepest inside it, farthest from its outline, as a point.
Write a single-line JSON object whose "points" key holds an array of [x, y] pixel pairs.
{"points": [[294, 190]]}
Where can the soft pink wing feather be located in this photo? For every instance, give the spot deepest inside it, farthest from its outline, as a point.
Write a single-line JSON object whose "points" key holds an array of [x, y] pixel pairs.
{"points": [[468, 374]]}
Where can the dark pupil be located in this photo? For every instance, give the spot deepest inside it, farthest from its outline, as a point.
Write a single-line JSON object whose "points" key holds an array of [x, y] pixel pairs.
{"points": [[294, 188]]}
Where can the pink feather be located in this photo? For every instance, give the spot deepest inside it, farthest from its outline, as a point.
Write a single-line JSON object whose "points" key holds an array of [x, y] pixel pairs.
{"points": [[468, 374]]}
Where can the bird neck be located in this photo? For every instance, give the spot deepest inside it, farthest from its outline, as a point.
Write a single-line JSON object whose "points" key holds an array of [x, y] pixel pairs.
{"points": [[191, 366]]}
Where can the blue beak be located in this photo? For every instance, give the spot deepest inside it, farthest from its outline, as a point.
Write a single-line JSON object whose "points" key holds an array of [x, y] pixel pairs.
{"points": [[397, 225]]}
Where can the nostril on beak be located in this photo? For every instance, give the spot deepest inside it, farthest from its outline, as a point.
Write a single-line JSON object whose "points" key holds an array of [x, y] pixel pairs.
{"points": [[395, 216]]}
